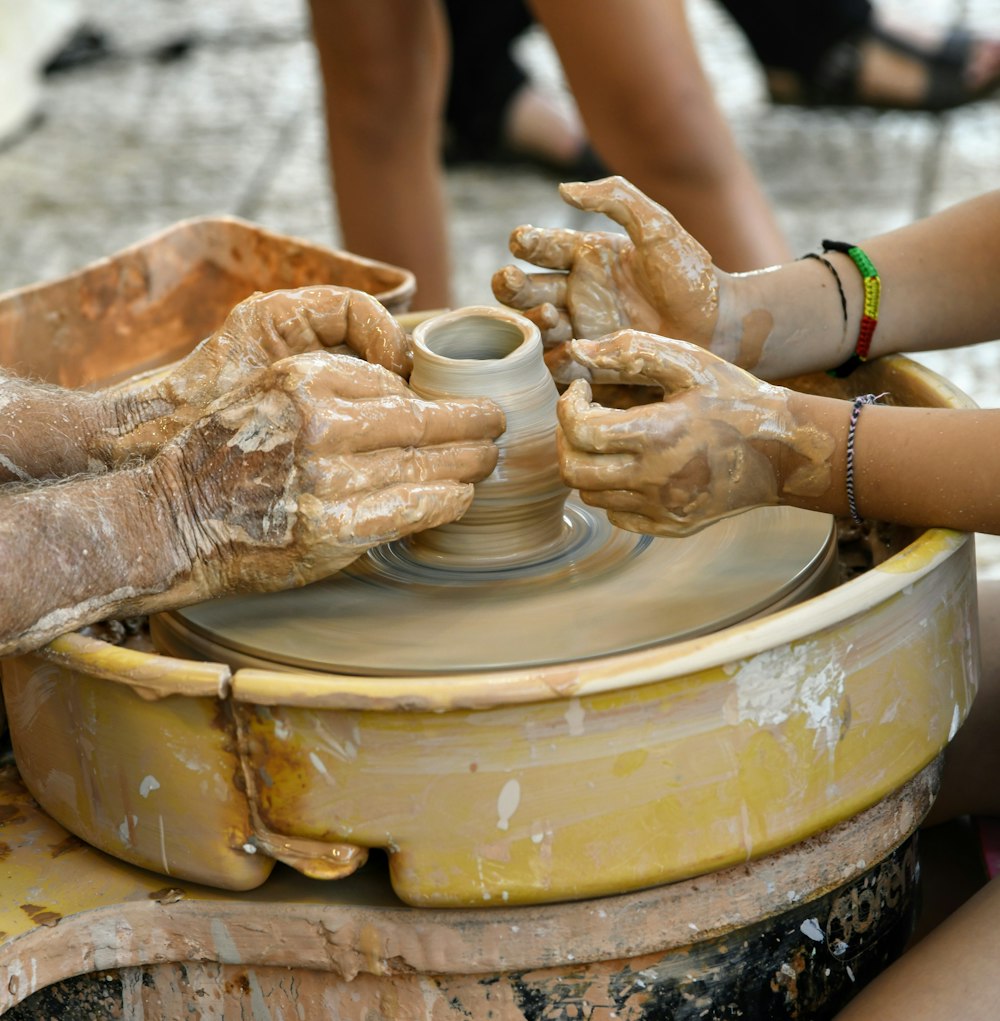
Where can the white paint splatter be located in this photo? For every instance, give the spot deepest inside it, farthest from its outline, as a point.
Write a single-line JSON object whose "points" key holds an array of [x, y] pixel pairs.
{"points": [[163, 847], [956, 722], [149, 783], [811, 928], [789, 681], [125, 829], [574, 717], [510, 798], [319, 764], [225, 945]]}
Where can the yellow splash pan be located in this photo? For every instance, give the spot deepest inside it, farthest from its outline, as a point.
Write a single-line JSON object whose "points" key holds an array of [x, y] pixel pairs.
{"points": [[532, 785]]}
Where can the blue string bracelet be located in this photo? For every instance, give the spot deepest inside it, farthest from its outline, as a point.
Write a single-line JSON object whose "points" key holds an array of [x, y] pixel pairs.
{"points": [[859, 403]]}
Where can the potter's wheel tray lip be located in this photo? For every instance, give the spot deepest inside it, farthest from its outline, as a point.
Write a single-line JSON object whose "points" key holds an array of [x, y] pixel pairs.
{"points": [[476, 690]]}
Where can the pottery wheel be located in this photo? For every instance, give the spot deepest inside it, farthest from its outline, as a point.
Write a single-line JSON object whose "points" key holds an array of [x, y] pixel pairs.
{"points": [[602, 590]]}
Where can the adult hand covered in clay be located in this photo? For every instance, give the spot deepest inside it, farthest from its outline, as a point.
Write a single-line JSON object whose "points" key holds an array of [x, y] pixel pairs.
{"points": [[54, 433], [284, 480], [656, 278], [292, 476], [714, 446], [259, 331]]}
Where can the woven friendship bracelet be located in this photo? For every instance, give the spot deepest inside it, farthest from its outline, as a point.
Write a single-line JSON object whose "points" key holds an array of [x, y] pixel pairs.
{"points": [[859, 403], [869, 315]]}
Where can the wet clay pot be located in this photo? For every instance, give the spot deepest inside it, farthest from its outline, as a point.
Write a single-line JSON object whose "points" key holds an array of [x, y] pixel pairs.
{"points": [[525, 785], [517, 511]]}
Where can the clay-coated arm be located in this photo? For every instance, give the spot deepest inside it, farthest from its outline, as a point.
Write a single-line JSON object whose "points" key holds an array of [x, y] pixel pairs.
{"points": [[722, 441], [284, 481], [47, 432]]}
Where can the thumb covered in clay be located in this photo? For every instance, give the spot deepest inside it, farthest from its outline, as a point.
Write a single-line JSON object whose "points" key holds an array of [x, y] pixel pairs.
{"points": [[659, 239], [618, 198], [631, 356], [657, 278], [257, 333]]}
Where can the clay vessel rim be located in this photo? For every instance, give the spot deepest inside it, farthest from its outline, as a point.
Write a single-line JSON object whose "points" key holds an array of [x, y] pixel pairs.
{"points": [[530, 336]]}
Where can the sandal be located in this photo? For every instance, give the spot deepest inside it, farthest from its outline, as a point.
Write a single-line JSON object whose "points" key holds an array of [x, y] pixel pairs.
{"points": [[835, 81]]}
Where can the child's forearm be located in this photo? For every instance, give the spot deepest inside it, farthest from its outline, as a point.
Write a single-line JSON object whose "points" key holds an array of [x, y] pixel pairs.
{"points": [[924, 467], [938, 280]]}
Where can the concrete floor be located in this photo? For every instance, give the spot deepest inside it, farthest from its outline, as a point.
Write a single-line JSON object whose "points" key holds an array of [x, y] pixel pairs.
{"points": [[135, 143]]}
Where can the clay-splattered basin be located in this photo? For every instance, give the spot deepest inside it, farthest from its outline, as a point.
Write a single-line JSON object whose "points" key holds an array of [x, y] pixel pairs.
{"points": [[526, 786]]}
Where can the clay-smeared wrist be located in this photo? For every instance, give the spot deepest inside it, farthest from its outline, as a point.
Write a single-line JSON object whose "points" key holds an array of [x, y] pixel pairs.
{"points": [[806, 451], [135, 425], [50, 433], [745, 322]]}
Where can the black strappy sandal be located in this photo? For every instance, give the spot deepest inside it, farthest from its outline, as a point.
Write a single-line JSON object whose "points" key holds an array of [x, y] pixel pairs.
{"points": [[835, 81]]}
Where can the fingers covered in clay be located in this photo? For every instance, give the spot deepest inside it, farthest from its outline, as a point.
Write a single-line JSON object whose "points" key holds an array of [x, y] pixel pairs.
{"points": [[291, 477], [655, 277], [258, 332], [267, 327], [713, 446]]}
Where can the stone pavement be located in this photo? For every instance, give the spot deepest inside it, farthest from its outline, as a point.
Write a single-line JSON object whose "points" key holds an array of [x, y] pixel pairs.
{"points": [[233, 125]]}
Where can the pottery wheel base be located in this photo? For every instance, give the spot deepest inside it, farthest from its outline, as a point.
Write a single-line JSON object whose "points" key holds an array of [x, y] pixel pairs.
{"points": [[793, 935], [598, 591]]}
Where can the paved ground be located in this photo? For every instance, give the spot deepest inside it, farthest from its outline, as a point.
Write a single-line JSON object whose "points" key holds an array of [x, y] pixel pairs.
{"points": [[137, 142]]}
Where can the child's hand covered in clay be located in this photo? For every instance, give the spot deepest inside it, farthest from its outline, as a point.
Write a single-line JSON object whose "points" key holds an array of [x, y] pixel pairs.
{"points": [[317, 458], [657, 278], [715, 445]]}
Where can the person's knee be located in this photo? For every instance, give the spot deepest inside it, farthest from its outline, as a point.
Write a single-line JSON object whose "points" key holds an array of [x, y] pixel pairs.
{"points": [[383, 99]]}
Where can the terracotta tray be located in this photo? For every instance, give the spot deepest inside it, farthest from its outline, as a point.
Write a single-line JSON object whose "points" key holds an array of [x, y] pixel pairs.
{"points": [[150, 304]]}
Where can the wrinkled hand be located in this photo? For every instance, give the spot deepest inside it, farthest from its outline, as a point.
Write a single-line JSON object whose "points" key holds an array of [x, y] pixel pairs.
{"points": [[712, 447], [657, 278], [258, 332], [317, 458]]}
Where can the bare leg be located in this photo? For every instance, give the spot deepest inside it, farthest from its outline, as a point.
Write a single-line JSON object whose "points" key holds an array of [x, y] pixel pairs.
{"points": [[385, 70], [652, 116]]}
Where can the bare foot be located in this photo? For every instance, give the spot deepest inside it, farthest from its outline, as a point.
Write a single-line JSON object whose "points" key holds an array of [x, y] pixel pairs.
{"points": [[539, 125]]}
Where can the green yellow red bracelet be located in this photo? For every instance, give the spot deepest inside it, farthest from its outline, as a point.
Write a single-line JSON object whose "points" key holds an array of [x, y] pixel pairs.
{"points": [[869, 315]]}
